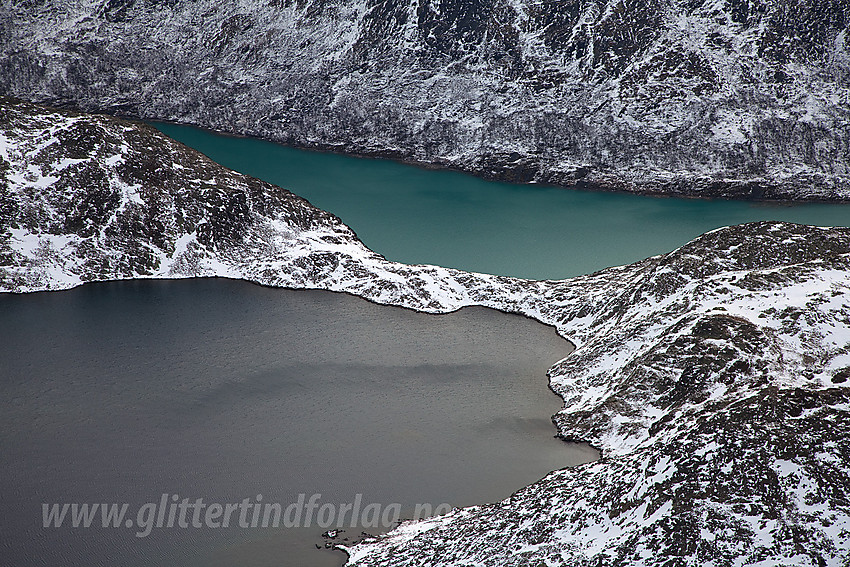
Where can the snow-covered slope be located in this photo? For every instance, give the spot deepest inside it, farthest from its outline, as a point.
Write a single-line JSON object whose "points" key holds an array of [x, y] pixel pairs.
{"points": [[739, 98], [714, 379]]}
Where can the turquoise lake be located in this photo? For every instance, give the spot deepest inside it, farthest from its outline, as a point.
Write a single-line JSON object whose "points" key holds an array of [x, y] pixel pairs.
{"points": [[421, 216]]}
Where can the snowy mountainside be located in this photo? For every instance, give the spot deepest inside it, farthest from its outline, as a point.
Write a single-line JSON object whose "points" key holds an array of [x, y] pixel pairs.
{"points": [[714, 379], [732, 98]]}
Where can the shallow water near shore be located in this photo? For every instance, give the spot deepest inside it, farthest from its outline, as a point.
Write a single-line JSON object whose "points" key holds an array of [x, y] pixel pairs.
{"points": [[415, 215], [222, 390]]}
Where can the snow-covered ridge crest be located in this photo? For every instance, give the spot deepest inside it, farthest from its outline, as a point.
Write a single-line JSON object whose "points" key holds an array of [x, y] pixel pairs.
{"points": [[714, 379], [734, 98]]}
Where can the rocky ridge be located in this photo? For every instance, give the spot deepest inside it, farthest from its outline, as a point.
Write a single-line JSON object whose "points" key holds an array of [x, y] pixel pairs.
{"points": [[730, 98], [713, 378]]}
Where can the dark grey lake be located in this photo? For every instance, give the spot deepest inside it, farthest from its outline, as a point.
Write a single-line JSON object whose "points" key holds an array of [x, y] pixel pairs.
{"points": [[221, 390]]}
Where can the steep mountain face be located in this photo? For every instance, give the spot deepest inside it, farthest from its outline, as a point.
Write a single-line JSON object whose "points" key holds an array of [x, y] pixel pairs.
{"points": [[714, 379], [731, 98]]}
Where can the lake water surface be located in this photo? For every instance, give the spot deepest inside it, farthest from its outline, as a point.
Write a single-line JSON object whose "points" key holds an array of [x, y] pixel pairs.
{"points": [[223, 390], [415, 215]]}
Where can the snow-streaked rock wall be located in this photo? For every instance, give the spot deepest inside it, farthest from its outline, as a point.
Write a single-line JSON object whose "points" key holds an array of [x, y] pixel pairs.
{"points": [[714, 379], [736, 98]]}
